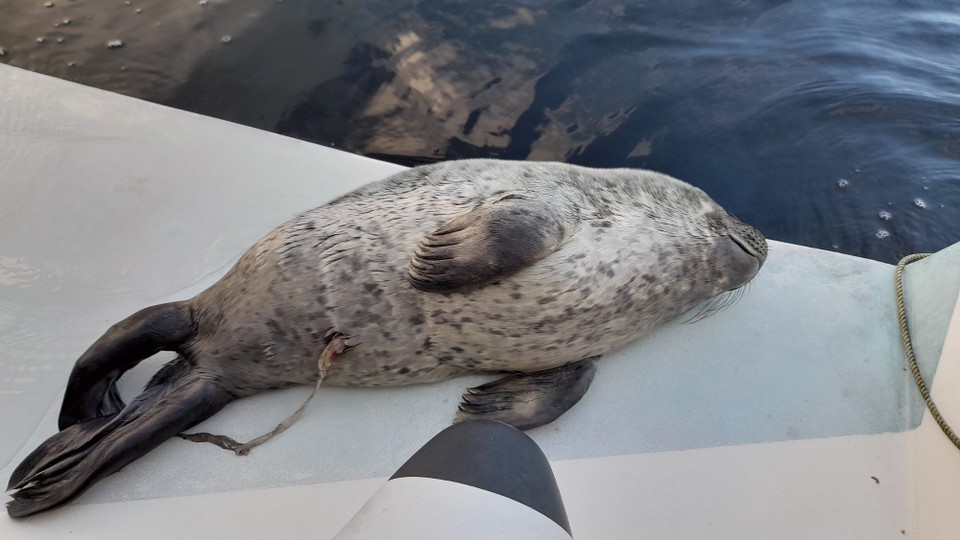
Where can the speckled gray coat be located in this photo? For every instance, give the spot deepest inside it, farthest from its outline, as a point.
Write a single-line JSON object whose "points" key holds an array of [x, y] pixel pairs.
{"points": [[466, 266]]}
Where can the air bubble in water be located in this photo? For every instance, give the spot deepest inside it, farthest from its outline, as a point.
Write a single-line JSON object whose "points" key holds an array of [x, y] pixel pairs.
{"points": [[138, 10], [920, 203], [843, 182], [881, 234], [114, 44], [886, 216], [48, 5], [202, 2], [65, 22], [226, 39], [41, 39], [60, 40]]}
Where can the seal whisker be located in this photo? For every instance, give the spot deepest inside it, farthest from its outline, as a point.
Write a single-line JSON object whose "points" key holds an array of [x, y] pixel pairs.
{"points": [[716, 305], [702, 312]]}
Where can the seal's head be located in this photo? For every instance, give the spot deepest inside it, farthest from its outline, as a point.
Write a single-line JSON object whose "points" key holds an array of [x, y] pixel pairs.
{"points": [[740, 250], [720, 252]]}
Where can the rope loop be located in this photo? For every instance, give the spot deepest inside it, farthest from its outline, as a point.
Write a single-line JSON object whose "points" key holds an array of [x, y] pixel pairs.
{"points": [[908, 349]]}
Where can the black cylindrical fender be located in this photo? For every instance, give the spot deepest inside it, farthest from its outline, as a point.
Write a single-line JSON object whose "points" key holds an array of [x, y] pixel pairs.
{"points": [[476, 479]]}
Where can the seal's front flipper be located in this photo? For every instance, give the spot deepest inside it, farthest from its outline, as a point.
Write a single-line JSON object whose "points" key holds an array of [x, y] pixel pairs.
{"points": [[75, 458], [91, 389], [529, 400], [490, 242]]}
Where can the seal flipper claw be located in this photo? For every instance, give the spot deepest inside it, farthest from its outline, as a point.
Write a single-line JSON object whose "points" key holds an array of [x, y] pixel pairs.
{"points": [[91, 389], [488, 243], [60, 443], [75, 458], [529, 400]]}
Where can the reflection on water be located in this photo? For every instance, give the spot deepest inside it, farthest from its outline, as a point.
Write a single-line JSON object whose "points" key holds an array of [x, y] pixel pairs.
{"points": [[826, 123]]}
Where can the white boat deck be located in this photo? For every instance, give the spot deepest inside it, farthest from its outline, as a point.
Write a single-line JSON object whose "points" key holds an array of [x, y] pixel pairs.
{"points": [[788, 415]]}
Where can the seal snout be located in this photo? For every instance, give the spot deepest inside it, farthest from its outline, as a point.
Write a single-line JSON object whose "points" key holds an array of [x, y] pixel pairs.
{"points": [[740, 252], [749, 239]]}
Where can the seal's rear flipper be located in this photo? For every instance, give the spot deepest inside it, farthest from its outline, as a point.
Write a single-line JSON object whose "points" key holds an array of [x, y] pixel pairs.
{"points": [[74, 459], [91, 389], [529, 400], [60, 444]]}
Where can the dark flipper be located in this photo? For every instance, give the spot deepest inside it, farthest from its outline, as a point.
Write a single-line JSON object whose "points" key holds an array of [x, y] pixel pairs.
{"points": [[91, 389], [74, 459], [75, 439], [489, 243], [529, 400], [60, 445]]}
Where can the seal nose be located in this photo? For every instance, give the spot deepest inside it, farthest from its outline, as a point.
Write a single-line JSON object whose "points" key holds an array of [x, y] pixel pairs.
{"points": [[749, 239]]}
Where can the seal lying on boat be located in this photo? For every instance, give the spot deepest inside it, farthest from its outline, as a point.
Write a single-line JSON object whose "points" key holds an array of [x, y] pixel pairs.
{"points": [[458, 267]]}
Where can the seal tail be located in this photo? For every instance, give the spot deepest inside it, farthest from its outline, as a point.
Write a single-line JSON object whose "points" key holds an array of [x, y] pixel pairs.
{"points": [[91, 389], [178, 397]]}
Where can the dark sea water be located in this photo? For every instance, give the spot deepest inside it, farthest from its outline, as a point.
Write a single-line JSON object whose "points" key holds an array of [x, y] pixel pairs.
{"points": [[828, 123]]}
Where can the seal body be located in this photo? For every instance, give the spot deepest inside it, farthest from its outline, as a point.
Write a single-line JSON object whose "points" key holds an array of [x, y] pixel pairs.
{"points": [[531, 268], [637, 249]]}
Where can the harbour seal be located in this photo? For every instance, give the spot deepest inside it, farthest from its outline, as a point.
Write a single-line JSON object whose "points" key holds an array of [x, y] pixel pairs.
{"points": [[460, 267]]}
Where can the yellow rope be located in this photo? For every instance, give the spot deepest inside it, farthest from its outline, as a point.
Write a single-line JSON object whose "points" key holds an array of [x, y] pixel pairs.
{"points": [[908, 350]]}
